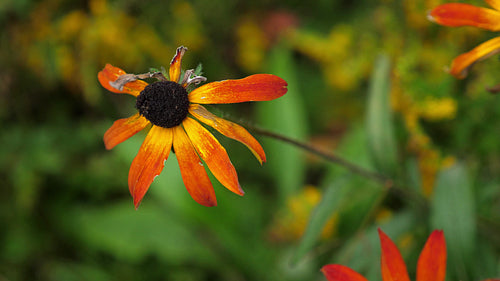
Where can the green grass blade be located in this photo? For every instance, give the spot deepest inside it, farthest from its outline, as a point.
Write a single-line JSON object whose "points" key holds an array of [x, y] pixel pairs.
{"points": [[285, 116], [453, 212], [379, 123], [330, 202]]}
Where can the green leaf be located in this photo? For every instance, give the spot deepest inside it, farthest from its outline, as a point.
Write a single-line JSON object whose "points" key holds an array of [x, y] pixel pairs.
{"points": [[120, 230], [165, 72], [199, 70], [453, 211], [379, 125], [284, 116]]}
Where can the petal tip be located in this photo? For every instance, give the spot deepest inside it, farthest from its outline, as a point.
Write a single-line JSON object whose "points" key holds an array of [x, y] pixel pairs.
{"points": [[240, 190], [210, 203]]}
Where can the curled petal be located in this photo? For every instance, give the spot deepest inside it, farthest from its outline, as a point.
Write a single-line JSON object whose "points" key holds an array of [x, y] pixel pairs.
{"points": [[432, 261], [175, 65], [258, 87], [461, 64], [123, 129], [214, 155], [149, 161], [458, 14], [229, 129], [110, 74], [337, 272], [193, 173], [392, 265]]}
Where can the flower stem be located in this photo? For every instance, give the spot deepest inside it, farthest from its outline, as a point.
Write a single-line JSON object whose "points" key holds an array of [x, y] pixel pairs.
{"points": [[386, 182]]}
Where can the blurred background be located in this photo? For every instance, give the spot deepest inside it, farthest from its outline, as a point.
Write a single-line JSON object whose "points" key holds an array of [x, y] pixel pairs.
{"points": [[367, 81]]}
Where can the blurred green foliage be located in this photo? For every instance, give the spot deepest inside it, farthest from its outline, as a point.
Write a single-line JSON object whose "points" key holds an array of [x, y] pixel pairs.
{"points": [[65, 209]]}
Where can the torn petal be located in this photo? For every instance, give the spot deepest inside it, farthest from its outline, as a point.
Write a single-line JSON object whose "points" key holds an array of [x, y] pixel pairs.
{"points": [[432, 261], [392, 265], [458, 14], [258, 87], [337, 272], [461, 64], [229, 129], [175, 65], [192, 170], [149, 161], [214, 155], [123, 129], [110, 74]]}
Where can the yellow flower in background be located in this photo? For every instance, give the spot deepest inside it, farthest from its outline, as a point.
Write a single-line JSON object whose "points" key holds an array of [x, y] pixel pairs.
{"points": [[429, 159], [69, 46], [251, 44], [333, 52], [290, 223], [434, 109]]}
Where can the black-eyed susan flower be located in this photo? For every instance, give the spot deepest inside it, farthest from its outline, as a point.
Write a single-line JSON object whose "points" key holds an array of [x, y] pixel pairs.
{"points": [[460, 14], [171, 110], [431, 264]]}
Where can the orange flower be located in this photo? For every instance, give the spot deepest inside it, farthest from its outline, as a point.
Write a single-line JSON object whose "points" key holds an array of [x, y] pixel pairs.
{"points": [[431, 264], [170, 109], [458, 14]]}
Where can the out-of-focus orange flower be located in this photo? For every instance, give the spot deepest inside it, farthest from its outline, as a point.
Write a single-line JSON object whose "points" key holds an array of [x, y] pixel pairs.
{"points": [[166, 105], [431, 264], [459, 14]]}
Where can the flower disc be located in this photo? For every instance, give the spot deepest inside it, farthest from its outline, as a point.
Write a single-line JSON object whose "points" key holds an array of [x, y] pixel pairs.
{"points": [[163, 103]]}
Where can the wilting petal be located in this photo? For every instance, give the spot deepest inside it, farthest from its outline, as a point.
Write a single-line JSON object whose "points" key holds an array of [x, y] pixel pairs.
{"points": [[149, 161], [461, 64], [392, 265], [258, 87], [229, 129], [193, 173], [457, 14], [494, 4], [123, 129], [432, 261], [214, 155], [111, 73], [175, 65], [337, 272]]}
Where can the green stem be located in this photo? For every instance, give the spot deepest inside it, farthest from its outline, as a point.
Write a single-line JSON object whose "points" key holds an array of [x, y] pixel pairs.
{"points": [[386, 182]]}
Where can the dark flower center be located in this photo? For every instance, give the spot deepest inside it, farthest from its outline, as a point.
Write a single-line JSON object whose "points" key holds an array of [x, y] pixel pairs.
{"points": [[163, 103]]}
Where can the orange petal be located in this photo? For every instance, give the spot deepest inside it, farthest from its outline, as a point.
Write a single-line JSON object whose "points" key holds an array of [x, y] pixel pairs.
{"points": [[258, 87], [392, 265], [123, 129], [461, 64], [337, 272], [111, 73], [432, 261], [193, 173], [214, 155], [458, 14], [229, 129], [149, 161], [494, 4], [175, 65]]}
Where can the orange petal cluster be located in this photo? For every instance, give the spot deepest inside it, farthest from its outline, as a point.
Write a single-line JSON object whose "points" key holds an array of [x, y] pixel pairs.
{"points": [[459, 14], [194, 145], [431, 263]]}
